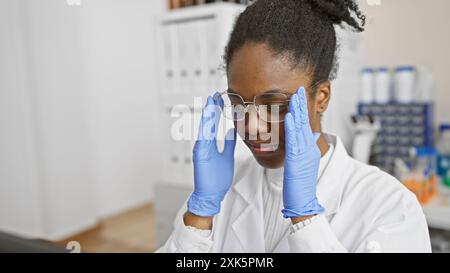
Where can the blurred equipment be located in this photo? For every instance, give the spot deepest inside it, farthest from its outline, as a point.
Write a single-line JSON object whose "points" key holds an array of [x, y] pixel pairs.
{"points": [[402, 103], [443, 161], [402, 126], [406, 84], [365, 129], [421, 178], [440, 240]]}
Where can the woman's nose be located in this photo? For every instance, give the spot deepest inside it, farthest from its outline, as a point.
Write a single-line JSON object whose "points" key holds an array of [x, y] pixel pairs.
{"points": [[254, 125]]}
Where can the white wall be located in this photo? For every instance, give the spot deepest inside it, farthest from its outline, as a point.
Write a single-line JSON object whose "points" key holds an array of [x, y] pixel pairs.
{"points": [[77, 113], [345, 87], [20, 206], [119, 50], [412, 32], [57, 87], [52, 187]]}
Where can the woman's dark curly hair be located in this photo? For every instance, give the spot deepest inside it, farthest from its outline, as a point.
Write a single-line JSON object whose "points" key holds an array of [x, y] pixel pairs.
{"points": [[302, 30]]}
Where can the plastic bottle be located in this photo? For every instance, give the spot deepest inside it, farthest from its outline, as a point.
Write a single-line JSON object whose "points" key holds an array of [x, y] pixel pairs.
{"points": [[443, 161], [424, 86], [382, 85], [405, 78], [367, 86]]}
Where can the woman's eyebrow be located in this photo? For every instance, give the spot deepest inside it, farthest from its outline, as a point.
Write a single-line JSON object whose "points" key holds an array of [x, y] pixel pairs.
{"points": [[264, 92], [276, 91]]}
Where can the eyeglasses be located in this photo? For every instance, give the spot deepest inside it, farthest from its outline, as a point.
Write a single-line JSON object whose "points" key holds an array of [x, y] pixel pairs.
{"points": [[271, 106]]}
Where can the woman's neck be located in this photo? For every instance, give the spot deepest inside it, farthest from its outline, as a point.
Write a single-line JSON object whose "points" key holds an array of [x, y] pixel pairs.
{"points": [[323, 144]]}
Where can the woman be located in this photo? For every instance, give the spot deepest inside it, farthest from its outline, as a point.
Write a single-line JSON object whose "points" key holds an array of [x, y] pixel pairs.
{"points": [[303, 193]]}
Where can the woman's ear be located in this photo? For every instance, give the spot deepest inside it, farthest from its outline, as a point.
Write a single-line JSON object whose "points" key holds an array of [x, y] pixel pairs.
{"points": [[323, 96]]}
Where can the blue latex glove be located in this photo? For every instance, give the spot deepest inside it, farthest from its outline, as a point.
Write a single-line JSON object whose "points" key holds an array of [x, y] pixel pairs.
{"points": [[302, 159], [213, 170]]}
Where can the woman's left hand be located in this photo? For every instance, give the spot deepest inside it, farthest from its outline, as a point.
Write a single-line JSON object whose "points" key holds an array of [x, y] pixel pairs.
{"points": [[301, 162]]}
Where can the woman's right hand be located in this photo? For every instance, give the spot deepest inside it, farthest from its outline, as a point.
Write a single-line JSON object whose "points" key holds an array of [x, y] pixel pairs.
{"points": [[213, 170]]}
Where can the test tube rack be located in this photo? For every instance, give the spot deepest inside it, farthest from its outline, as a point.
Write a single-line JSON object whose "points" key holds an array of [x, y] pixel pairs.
{"points": [[403, 126]]}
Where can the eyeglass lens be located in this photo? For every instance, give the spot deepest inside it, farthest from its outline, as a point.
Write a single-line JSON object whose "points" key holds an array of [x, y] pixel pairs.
{"points": [[271, 107]]}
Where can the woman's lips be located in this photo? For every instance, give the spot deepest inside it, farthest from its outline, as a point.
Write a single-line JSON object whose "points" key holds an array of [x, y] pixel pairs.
{"points": [[263, 148]]}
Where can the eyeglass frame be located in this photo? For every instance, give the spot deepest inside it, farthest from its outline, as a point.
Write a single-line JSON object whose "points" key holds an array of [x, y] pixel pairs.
{"points": [[246, 104]]}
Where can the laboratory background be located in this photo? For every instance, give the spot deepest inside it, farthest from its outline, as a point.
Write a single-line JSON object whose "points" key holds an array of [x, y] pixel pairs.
{"points": [[90, 89]]}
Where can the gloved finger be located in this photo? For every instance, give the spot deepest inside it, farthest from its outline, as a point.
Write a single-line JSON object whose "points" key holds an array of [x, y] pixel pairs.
{"points": [[209, 121], [202, 147], [294, 110], [303, 105], [305, 127], [206, 116], [230, 143], [217, 108], [295, 115], [290, 135]]}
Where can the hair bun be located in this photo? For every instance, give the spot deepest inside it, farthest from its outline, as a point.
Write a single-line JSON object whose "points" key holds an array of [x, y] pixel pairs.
{"points": [[340, 11]]}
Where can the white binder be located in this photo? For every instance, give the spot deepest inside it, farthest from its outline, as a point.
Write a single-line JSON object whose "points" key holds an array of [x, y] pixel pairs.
{"points": [[167, 57]]}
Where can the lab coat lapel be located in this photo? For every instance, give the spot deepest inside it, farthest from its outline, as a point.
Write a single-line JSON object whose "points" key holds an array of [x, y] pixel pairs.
{"points": [[248, 187], [251, 238], [330, 185], [283, 244]]}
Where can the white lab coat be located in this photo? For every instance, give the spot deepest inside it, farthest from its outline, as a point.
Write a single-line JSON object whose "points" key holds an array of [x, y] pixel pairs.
{"points": [[366, 210]]}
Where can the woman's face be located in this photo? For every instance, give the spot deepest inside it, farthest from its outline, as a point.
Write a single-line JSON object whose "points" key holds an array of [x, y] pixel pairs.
{"points": [[253, 70]]}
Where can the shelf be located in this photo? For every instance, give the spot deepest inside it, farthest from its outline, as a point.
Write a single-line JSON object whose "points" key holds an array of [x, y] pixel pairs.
{"points": [[437, 212]]}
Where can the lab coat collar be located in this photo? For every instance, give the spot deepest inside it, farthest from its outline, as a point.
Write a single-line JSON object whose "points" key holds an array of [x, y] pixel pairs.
{"points": [[329, 187], [249, 188], [329, 192]]}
